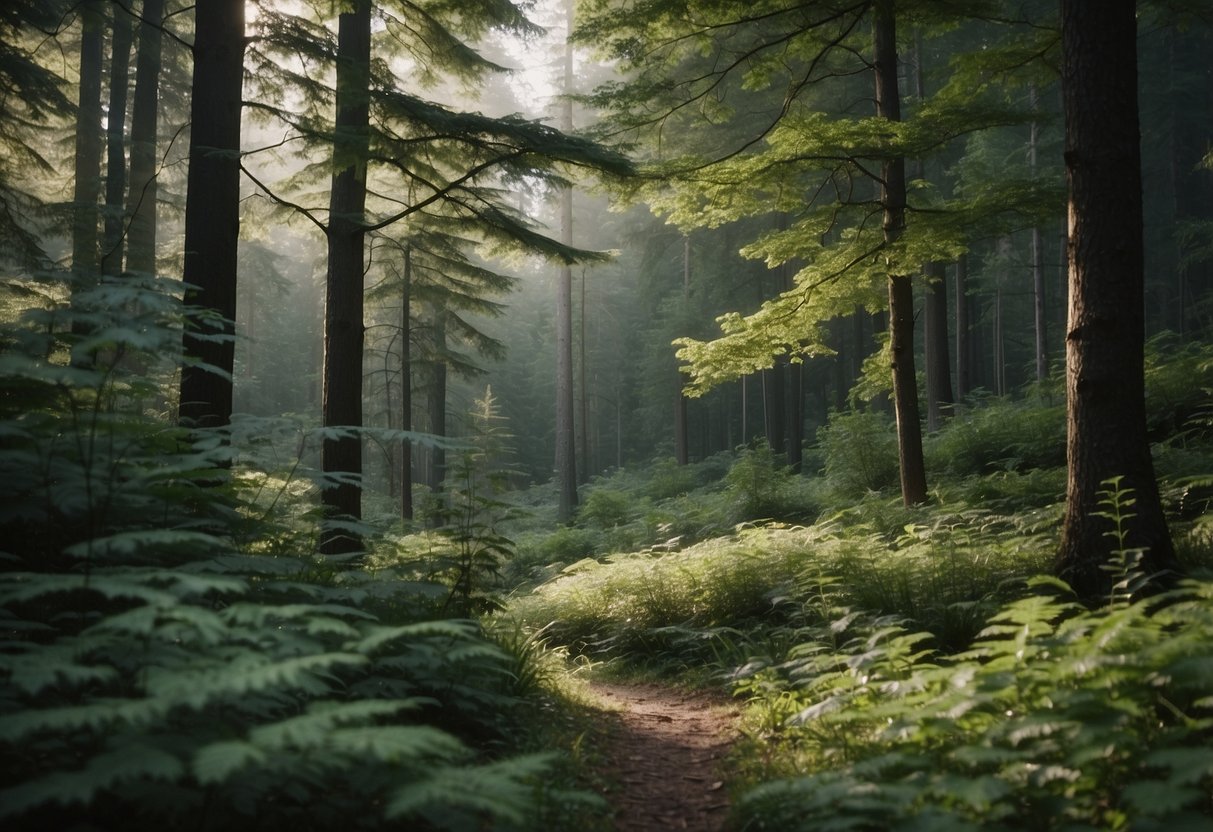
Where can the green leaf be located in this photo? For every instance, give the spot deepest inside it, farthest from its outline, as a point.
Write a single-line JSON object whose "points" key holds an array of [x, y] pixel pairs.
{"points": [[218, 761]]}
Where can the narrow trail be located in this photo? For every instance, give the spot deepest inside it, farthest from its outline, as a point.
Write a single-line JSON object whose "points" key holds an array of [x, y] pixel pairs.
{"points": [[665, 752]]}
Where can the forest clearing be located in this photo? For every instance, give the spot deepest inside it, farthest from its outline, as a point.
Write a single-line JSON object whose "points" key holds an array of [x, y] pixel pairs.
{"points": [[606, 416]]}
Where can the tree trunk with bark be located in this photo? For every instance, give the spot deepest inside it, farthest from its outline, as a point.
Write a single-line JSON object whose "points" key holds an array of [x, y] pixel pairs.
{"points": [[406, 389], [212, 215], [142, 194], [1106, 424], [964, 346], [1038, 262], [901, 296], [85, 209], [939, 365], [566, 454], [341, 457], [115, 138]]}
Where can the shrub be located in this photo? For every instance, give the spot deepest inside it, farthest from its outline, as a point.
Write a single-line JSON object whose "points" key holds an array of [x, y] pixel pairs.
{"points": [[860, 451]]}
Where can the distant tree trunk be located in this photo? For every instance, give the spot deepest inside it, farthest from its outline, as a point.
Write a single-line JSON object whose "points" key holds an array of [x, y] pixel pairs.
{"points": [[682, 443], [682, 454], [436, 400], [584, 399], [964, 347], [935, 312], [406, 389], [939, 367], [566, 464], [999, 336], [212, 214], [901, 296], [88, 154], [115, 137], [774, 406], [794, 450], [1105, 390], [343, 324], [1038, 260], [141, 198]]}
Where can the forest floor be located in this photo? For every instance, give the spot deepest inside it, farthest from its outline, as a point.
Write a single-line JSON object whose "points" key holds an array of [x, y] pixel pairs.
{"points": [[664, 752]]}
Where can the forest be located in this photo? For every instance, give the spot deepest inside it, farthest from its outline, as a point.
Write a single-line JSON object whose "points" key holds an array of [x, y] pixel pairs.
{"points": [[606, 415]]}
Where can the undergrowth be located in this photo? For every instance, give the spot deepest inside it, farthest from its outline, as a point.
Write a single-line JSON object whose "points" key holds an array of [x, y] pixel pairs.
{"points": [[174, 654]]}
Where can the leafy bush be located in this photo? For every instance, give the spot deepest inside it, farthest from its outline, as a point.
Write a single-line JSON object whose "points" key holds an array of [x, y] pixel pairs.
{"points": [[996, 434], [860, 451], [1057, 718], [154, 675], [605, 508], [634, 604]]}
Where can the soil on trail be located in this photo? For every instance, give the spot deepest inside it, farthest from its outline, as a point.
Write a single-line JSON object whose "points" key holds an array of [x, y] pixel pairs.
{"points": [[665, 753]]}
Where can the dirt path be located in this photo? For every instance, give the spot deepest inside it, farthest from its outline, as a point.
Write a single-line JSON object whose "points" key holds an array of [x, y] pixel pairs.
{"points": [[665, 753]]}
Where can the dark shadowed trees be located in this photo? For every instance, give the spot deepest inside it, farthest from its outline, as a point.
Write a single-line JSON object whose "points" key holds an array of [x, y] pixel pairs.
{"points": [[212, 215], [343, 301], [1106, 435]]}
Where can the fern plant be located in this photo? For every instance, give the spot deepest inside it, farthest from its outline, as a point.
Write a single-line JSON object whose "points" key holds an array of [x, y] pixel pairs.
{"points": [[158, 670]]}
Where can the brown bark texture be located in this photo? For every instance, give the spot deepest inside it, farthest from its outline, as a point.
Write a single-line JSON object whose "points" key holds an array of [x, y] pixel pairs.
{"points": [[1106, 425], [341, 457], [901, 296], [142, 194], [212, 215]]}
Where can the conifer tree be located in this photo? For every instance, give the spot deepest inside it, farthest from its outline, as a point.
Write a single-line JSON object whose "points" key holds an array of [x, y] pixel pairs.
{"points": [[739, 111], [144, 187], [35, 103], [85, 211], [212, 214], [426, 166]]}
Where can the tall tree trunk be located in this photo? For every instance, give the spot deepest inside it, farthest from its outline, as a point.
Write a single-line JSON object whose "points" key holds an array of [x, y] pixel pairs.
{"points": [[406, 389], [682, 453], [774, 406], [566, 457], [794, 446], [584, 398], [964, 346], [343, 324], [939, 366], [88, 155], [935, 311], [1105, 390], [115, 137], [212, 214], [901, 295], [1038, 260], [436, 400], [682, 442], [141, 198]]}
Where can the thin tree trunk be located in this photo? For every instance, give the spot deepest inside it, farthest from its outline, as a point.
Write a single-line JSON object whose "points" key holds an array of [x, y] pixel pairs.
{"points": [[566, 459], [436, 401], [794, 450], [115, 130], [774, 391], [939, 367], [141, 198], [406, 389], [584, 403], [1038, 259], [343, 324], [935, 311], [88, 155], [901, 296], [964, 347], [1105, 390], [212, 214]]}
